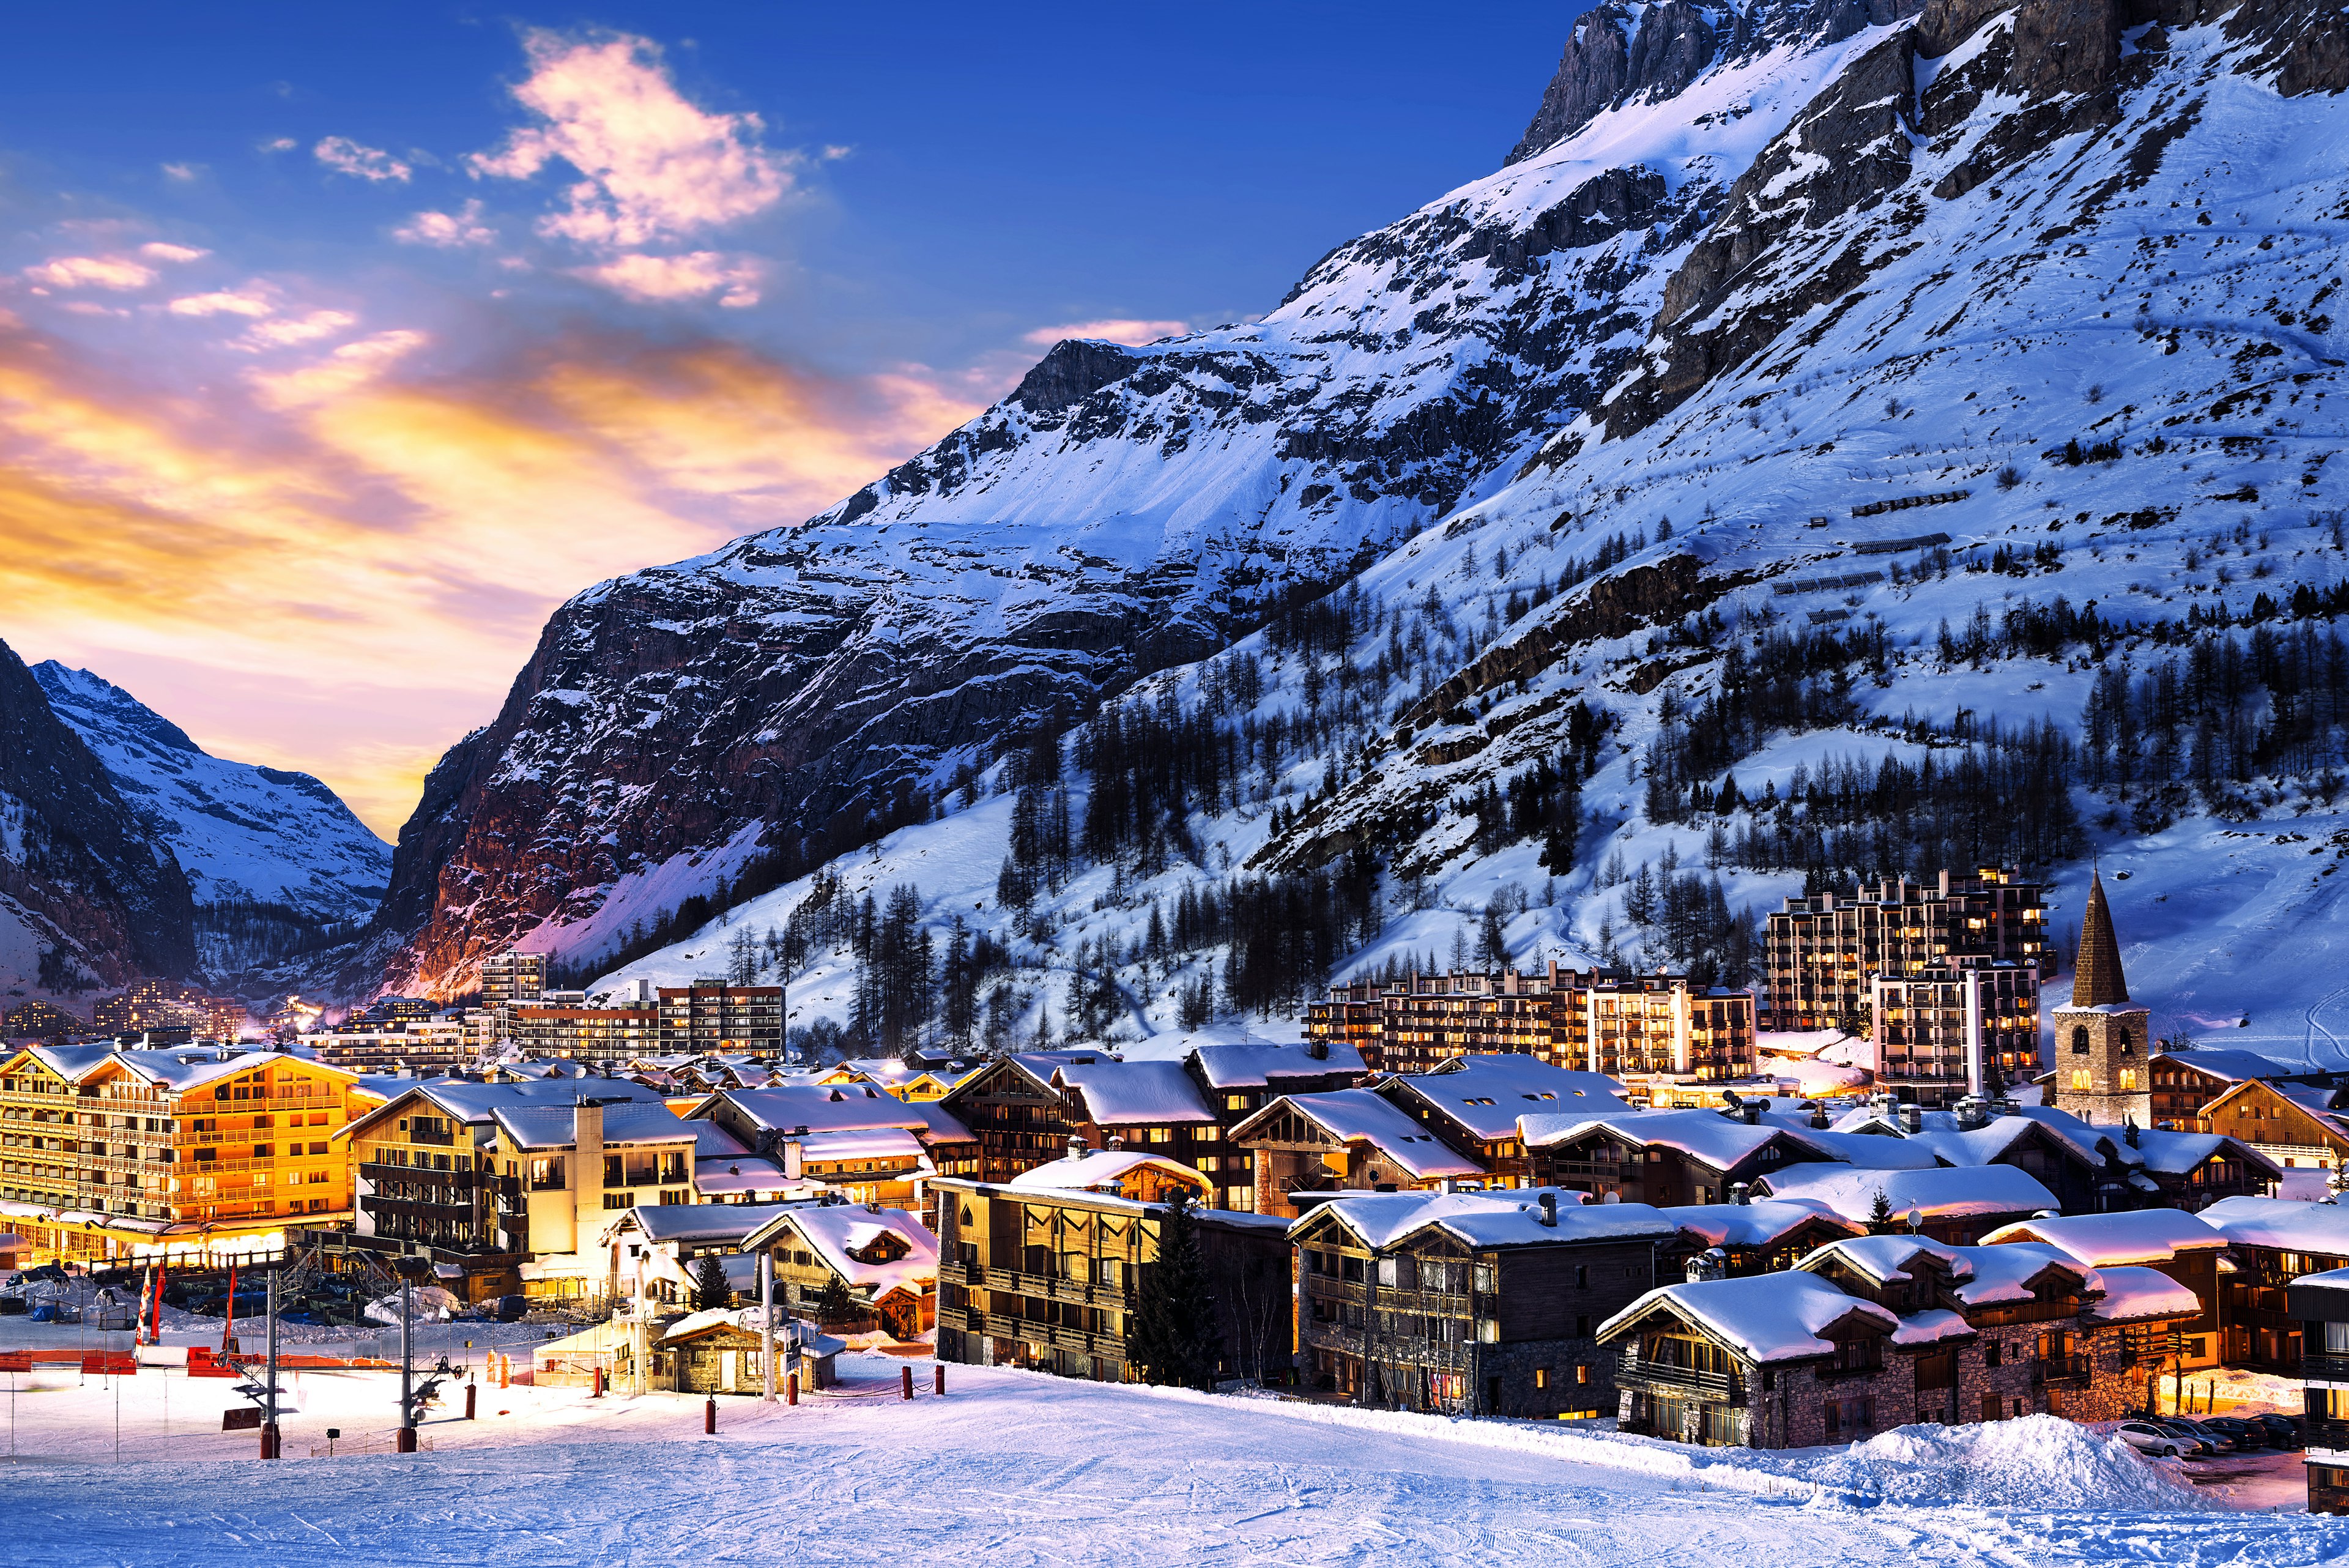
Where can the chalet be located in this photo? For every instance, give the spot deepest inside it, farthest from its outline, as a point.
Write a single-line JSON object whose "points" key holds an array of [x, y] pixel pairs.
{"points": [[1046, 1271], [2273, 1241], [1662, 1158], [2165, 1240], [1880, 1331], [1241, 1080], [2291, 1124], [1154, 1107], [2184, 1170], [2186, 1082], [869, 1144], [1469, 1303], [1757, 1237], [652, 1253], [2061, 1153], [1015, 1112], [1952, 1205], [1474, 1104], [1302, 1147], [884, 1260], [2319, 1303]]}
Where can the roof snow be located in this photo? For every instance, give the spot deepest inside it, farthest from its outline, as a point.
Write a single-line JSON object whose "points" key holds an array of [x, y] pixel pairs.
{"points": [[1763, 1317], [1939, 1193], [1351, 1115], [1513, 1218], [1487, 1094], [1132, 1094], [2131, 1236], [2134, 1294], [836, 1231], [1719, 1141], [1253, 1066], [2282, 1223], [1757, 1224], [1101, 1167]]}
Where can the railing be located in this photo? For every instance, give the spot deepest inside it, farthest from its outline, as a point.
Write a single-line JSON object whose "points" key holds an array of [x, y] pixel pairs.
{"points": [[1049, 1287], [2322, 1368], [2327, 1436], [1632, 1371], [2061, 1371], [427, 1135]]}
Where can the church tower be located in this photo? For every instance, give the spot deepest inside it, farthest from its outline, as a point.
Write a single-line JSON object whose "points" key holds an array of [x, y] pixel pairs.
{"points": [[2103, 1040]]}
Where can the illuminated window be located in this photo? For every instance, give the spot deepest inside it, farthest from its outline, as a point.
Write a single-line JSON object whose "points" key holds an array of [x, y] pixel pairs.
{"points": [[2129, 1079], [2079, 1080]]}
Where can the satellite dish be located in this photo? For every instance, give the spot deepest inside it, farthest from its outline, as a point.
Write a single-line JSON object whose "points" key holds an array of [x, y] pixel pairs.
{"points": [[1915, 1220]]}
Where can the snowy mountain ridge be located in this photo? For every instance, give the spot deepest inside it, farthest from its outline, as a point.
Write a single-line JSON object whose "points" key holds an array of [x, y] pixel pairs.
{"points": [[273, 858], [1954, 482]]}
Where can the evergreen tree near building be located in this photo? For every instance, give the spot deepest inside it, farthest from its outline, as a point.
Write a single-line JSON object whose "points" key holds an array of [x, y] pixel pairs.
{"points": [[834, 1304], [710, 1289], [1879, 1216], [1172, 1339]]}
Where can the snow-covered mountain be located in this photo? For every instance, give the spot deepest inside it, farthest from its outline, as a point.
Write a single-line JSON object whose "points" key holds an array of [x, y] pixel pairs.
{"points": [[274, 859], [1922, 420]]}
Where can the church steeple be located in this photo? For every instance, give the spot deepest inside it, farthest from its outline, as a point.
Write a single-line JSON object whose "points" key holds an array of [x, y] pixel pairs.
{"points": [[2096, 978]]}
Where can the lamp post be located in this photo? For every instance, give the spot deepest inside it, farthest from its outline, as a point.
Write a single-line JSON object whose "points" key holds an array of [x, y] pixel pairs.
{"points": [[411, 1269], [767, 1322]]}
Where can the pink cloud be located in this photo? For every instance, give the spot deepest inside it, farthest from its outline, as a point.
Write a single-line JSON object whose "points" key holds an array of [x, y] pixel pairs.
{"points": [[159, 250], [652, 167], [448, 230], [373, 164], [96, 271], [224, 302], [734, 279], [1133, 334], [289, 331]]}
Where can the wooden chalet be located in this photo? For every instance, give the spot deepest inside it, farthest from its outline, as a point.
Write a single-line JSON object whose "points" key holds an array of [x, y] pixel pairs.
{"points": [[1474, 1104], [1304, 1148], [2171, 1242], [886, 1261], [2185, 1083], [2320, 1302], [1469, 1303], [1757, 1237], [1046, 1271], [1662, 1157], [2295, 1125], [2273, 1242]]}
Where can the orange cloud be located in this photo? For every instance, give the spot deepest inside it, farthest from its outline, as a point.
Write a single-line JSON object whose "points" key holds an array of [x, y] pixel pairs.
{"points": [[341, 570], [695, 275], [97, 272]]}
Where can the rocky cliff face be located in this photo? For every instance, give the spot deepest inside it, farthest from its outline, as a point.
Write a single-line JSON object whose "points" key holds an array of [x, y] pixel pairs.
{"points": [[1737, 253], [87, 896]]}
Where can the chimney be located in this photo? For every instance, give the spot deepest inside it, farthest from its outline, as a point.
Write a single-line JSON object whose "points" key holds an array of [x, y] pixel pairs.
{"points": [[1752, 1111], [2130, 1133], [1741, 1193], [1115, 1144], [1972, 1113], [1448, 1186], [794, 1160], [1317, 1049], [587, 1174], [1550, 1210], [1077, 1150], [1912, 1119], [1819, 1118]]}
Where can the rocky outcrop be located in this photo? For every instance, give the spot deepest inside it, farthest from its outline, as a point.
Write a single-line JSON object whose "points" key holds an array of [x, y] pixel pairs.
{"points": [[77, 870]]}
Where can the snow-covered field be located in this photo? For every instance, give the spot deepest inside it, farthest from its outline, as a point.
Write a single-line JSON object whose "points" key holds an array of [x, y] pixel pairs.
{"points": [[1018, 1468]]}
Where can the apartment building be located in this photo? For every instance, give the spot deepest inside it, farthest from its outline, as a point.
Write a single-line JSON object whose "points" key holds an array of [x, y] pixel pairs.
{"points": [[101, 1149], [428, 1044], [512, 977], [710, 1015], [152, 1004], [1944, 1032], [1820, 952]]}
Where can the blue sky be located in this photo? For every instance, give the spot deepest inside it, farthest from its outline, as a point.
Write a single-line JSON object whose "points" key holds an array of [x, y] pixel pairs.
{"points": [[339, 342]]}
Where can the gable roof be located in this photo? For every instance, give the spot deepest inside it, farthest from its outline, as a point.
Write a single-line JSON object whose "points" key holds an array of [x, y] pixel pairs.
{"points": [[1132, 1094], [557, 1127], [1257, 1065], [723, 1222], [1764, 1318], [2283, 1223], [1513, 1218], [833, 1230], [848, 1107], [2130, 1236], [1350, 1115], [1484, 1094], [1101, 1167], [1760, 1223], [1939, 1193], [1721, 1142], [2230, 1063]]}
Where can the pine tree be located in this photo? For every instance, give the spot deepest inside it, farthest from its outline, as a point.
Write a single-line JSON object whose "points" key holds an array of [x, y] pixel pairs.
{"points": [[710, 1290], [1879, 1216], [833, 1304], [1173, 1336]]}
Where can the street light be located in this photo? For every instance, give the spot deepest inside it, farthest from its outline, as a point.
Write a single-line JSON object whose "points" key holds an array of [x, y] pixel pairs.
{"points": [[264, 1251], [411, 1269]]}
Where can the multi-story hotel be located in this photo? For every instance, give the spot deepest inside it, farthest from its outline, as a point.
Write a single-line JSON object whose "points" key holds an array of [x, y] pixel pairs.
{"points": [[101, 1148], [712, 1015], [1943, 1034], [1820, 953], [1637, 1025], [431, 1045], [151, 1003], [513, 977]]}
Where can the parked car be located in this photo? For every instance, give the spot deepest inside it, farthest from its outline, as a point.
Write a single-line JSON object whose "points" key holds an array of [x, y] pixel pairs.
{"points": [[2283, 1432], [2218, 1441], [2148, 1438], [2194, 1442], [2248, 1435]]}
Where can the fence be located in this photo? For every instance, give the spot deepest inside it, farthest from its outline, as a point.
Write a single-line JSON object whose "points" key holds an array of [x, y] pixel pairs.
{"points": [[341, 1451]]}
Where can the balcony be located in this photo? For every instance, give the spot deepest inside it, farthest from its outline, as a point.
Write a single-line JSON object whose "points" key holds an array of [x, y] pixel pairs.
{"points": [[2333, 1369], [1681, 1382], [2327, 1436], [2061, 1372]]}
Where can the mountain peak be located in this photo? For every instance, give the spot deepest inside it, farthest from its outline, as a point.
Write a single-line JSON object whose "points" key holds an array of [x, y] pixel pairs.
{"points": [[81, 691]]}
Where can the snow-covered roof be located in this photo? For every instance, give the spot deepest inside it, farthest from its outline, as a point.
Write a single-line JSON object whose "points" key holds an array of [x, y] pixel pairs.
{"points": [[557, 1127], [834, 1231], [861, 1143], [842, 1108], [1485, 1094], [1511, 1218], [1939, 1193], [1889, 1260], [2229, 1063], [1952, 1145], [1255, 1065], [722, 1178], [192, 1067], [1135, 1094], [1871, 1151], [2283, 1223], [1103, 1167], [1760, 1223], [1350, 1115], [70, 1061], [2133, 1294], [1931, 1326], [2130, 1236], [477, 1105], [727, 1223], [1721, 1142], [2004, 1273], [1763, 1317]]}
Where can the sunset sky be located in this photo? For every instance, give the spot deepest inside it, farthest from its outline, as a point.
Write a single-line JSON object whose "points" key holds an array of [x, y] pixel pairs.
{"points": [[339, 343]]}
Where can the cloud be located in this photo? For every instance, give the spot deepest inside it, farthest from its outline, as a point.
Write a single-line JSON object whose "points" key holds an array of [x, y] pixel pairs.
{"points": [[1133, 334], [161, 251], [224, 302], [461, 227], [344, 156], [391, 544], [652, 167], [290, 330], [182, 173], [734, 279], [96, 272], [347, 368], [280, 144]]}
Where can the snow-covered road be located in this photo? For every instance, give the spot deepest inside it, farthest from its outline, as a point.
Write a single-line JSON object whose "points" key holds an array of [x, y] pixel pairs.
{"points": [[1010, 1469]]}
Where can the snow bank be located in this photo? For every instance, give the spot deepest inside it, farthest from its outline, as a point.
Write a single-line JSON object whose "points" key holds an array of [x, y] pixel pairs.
{"points": [[2036, 1461]]}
